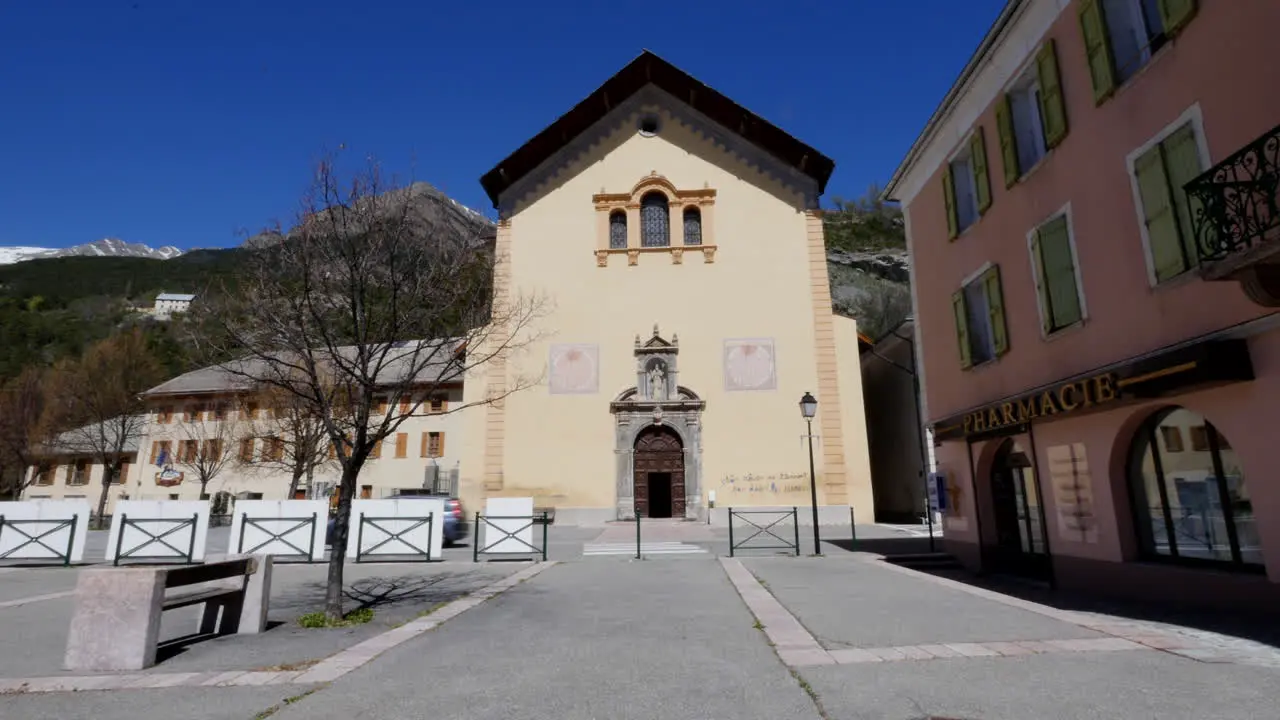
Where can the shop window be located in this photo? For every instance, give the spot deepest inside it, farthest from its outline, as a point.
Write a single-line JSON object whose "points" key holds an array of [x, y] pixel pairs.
{"points": [[1191, 506]]}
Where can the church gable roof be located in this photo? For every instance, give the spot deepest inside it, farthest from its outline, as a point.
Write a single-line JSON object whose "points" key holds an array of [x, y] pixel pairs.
{"points": [[648, 69]]}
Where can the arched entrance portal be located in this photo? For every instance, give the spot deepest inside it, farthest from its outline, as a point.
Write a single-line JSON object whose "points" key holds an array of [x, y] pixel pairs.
{"points": [[659, 473], [1020, 546]]}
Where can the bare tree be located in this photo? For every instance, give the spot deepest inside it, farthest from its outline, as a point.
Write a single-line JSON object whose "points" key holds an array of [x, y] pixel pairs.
{"points": [[98, 396], [298, 441], [22, 407], [373, 294], [207, 444]]}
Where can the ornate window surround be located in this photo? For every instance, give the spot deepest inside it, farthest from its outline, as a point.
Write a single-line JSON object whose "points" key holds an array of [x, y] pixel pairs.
{"points": [[677, 200]]}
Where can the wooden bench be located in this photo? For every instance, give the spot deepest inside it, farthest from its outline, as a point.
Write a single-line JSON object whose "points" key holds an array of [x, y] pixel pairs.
{"points": [[116, 625]]}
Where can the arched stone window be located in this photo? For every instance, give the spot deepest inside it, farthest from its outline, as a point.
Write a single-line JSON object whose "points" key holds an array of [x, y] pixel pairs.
{"points": [[692, 226], [1190, 500], [655, 221], [618, 230]]}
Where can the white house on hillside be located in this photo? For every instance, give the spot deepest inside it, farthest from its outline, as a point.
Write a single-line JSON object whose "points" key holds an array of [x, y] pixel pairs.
{"points": [[169, 303]]}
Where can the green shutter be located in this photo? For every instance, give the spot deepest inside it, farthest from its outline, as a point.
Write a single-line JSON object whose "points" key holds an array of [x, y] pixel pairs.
{"points": [[962, 329], [981, 179], [1060, 273], [1159, 215], [1097, 48], [1053, 106], [1175, 14], [995, 306], [949, 200], [1182, 160], [1037, 261], [1008, 146]]}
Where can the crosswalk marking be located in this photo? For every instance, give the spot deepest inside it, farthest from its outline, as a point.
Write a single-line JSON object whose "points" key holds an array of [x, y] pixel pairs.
{"points": [[650, 548]]}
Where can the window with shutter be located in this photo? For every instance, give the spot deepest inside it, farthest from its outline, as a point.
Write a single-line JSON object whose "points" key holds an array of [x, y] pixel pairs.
{"points": [[1097, 48], [376, 451], [1008, 145], [422, 450], [438, 404], [435, 443], [962, 329], [978, 309], [402, 445], [1053, 106], [978, 163], [1160, 174], [964, 194], [246, 450], [1056, 281], [1182, 165], [949, 200], [994, 293]]}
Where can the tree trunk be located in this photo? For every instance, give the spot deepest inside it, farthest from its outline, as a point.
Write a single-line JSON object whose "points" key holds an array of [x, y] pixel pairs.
{"points": [[108, 472], [293, 483], [338, 551], [311, 480], [204, 484]]}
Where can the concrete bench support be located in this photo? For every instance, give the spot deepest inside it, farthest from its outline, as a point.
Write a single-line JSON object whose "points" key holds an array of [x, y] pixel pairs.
{"points": [[116, 625]]}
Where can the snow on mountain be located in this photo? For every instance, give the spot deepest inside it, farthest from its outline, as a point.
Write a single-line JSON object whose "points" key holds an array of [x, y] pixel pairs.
{"points": [[106, 247], [10, 255]]}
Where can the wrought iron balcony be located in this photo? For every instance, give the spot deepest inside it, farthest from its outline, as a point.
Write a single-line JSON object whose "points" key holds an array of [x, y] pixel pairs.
{"points": [[1237, 219]]}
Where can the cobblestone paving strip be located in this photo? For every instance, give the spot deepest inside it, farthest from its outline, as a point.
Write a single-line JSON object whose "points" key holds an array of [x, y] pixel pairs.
{"points": [[326, 670]]}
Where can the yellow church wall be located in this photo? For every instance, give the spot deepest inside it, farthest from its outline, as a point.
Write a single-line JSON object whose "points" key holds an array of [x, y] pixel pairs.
{"points": [[762, 283]]}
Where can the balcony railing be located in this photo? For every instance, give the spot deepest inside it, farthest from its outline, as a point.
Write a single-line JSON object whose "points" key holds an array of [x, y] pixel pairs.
{"points": [[1238, 213]]}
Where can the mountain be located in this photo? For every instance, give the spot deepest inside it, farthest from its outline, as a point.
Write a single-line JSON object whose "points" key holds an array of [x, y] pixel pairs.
{"points": [[867, 262], [15, 254], [106, 247]]}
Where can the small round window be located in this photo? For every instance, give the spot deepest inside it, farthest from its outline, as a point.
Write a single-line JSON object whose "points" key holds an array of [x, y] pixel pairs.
{"points": [[649, 125]]}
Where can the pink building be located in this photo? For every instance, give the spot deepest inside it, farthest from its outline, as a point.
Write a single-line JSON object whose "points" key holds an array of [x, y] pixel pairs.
{"points": [[1091, 213]]}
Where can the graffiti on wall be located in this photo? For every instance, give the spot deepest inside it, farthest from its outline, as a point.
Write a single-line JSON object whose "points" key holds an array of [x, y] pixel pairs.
{"points": [[776, 483]]}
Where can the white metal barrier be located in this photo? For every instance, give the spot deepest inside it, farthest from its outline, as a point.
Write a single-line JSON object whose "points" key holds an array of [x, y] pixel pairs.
{"points": [[44, 530], [156, 530], [283, 528]]}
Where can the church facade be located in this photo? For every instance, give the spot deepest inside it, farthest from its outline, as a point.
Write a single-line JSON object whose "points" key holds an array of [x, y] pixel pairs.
{"points": [[675, 242]]}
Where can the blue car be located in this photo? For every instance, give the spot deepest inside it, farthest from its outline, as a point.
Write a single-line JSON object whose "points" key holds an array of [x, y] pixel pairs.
{"points": [[455, 521]]}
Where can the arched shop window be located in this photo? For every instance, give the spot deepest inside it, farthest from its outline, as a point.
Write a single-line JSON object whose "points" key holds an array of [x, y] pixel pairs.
{"points": [[1189, 494]]}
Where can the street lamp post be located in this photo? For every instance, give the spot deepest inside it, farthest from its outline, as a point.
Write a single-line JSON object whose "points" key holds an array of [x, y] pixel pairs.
{"points": [[809, 408]]}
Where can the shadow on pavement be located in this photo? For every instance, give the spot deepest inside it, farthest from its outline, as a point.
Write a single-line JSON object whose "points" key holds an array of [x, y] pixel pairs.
{"points": [[1259, 627], [886, 546]]}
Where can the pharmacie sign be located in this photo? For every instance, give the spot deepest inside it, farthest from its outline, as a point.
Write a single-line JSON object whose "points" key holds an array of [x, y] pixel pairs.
{"points": [[1065, 398]]}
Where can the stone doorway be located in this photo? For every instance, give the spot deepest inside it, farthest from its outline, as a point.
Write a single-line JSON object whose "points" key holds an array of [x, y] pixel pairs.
{"points": [[658, 437], [659, 473]]}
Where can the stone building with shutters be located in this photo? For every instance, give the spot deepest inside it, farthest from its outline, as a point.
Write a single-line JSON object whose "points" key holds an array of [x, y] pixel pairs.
{"points": [[677, 238], [1093, 228], [208, 422]]}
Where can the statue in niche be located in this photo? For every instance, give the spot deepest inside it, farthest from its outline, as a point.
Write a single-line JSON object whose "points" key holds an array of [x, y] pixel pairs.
{"points": [[657, 382]]}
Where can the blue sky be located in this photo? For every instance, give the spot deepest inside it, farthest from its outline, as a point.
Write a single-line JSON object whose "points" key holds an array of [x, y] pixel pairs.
{"points": [[188, 122]]}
